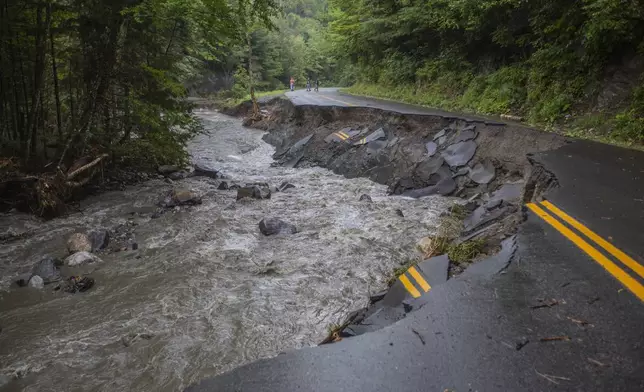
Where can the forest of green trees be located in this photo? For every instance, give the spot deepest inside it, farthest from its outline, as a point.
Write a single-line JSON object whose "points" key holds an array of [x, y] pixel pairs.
{"points": [[108, 78], [572, 62]]}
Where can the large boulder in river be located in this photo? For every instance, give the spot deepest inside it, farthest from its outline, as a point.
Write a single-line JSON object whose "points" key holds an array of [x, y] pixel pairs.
{"points": [[272, 226], [81, 258], [254, 192], [100, 239], [205, 171], [78, 242], [47, 269], [180, 197]]}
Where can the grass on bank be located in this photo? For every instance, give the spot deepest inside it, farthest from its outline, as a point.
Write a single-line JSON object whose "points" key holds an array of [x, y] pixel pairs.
{"points": [[505, 92], [449, 229], [227, 99]]}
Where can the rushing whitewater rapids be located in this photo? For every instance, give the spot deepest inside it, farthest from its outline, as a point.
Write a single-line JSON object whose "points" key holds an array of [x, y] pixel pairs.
{"points": [[205, 290]]}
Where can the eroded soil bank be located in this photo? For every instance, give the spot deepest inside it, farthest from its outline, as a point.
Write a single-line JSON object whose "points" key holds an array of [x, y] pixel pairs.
{"points": [[487, 165]]}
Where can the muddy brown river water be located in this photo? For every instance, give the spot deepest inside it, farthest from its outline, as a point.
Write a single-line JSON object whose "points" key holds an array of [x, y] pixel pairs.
{"points": [[206, 290]]}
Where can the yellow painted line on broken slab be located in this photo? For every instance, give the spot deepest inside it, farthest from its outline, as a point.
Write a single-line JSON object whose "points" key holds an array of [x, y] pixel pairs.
{"points": [[419, 279], [633, 285], [341, 136], [409, 286], [344, 134], [608, 247]]}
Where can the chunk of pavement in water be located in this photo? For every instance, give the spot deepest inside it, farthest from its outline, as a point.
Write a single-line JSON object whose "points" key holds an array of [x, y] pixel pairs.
{"points": [[36, 282], [81, 258], [376, 145], [493, 203], [378, 134], [365, 197], [435, 269], [510, 192], [285, 185], [429, 166], [294, 161], [299, 145], [202, 170], [481, 217], [461, 172], [482, 172], [100, 239], [459, 154], [444, 187], [441, 133], [431, 148], [223, 186], [465, 135], [47, 269], [272, 226]]}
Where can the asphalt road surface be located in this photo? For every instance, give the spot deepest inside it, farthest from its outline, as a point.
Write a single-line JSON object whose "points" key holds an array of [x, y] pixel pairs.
{"points": [[565, 315]]}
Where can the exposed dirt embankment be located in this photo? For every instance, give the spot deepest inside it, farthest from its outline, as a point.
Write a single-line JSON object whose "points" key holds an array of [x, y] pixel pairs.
{"points": [[411, 153], [486, 164]]}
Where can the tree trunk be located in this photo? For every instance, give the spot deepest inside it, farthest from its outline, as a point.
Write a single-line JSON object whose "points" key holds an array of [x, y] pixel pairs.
{"points": [[54, 72], [250, 76], [39, 68]]}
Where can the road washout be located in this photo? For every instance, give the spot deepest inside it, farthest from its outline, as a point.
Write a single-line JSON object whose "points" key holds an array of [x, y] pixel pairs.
{"points": [[203, 291], [488, 165]]}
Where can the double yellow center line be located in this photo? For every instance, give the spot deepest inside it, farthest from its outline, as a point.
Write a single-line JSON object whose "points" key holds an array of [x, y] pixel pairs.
{"points": [[409, 286], [342, 135], [626, 279]]}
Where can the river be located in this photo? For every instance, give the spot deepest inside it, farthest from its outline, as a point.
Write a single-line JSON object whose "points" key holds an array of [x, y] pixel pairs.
{"points": [[204, 291]]}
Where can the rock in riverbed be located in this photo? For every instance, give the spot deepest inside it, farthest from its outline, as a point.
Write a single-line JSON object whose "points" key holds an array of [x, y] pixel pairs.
{"points": [[78, 242], [36, 282], [205, 171], [253, 192], [366, 198], [100, 239], [180, 197], [47, 269], [272, 226], [78, 284], [81, 258]]}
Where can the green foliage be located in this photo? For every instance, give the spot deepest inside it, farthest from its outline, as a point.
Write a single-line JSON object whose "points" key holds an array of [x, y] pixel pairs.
{"points": [[465, 252], [537, 59]]}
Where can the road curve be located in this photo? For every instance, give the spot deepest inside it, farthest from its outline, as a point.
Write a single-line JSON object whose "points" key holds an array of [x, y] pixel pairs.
{"points": [[487, 330]]}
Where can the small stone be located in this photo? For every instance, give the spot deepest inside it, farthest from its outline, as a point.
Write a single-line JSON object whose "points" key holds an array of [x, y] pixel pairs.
{"points": [[36, 282], [399, 212], [81, 258], [180, 196], [223, 186], [366, 197], [431, 148], [78, 242], [135, 246], [180, 175], [272, 226]]}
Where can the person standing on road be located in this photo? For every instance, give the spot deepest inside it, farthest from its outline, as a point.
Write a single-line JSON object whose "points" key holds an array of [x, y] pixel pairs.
{"points": [[292, 84], [317, 84], [308, 84]]}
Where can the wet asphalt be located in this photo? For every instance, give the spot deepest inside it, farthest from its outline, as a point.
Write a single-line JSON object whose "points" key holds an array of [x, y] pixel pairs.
{"points": [[547, 318]]}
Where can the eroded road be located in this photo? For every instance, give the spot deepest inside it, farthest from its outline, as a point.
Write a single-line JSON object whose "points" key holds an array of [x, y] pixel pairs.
{"points": [[563, 311]]}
